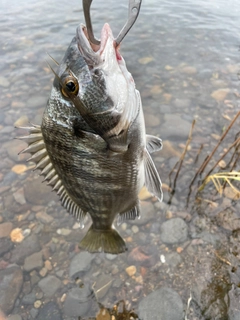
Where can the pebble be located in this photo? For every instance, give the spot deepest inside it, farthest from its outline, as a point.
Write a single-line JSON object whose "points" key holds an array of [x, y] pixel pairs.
{"points": [[144, 194], [5, 229], [174, 231], [220, 94], [34, 261], [135, 229], [64, 231], [164, 303], [49, 311], [48, 265], [80, 263], [44, 217], [131, 270], [110, 256], [19, 196], [11, 280], [22, 121], [43, 272], [49, 285], [17, 235], [19, 168], [188, 70], [37, 304], [124, 226]]}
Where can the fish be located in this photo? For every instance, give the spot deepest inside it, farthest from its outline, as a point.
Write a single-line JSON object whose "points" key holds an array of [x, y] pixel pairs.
{"points": [[91, 146]]}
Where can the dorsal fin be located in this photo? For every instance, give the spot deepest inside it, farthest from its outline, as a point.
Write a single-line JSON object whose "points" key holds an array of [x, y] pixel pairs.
{"points": [[153, 143], [39, 155], [132, 214], [152, 179]]}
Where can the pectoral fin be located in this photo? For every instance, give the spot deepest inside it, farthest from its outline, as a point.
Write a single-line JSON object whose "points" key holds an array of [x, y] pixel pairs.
{"points": [[153, 143], [152, 179]]}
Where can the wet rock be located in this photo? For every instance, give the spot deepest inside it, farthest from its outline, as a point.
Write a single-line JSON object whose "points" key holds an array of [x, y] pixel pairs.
{"points": [[38, 193], [79, 301], [50, 311], [49, 285], [5, 229], [17, 235], [29, 298], [131, 270], [33, 262], [164, 303], [80, 263], [25, 248], [44, 217], [11, 280], [174, 231], [148, 213], [220, 94], [175, 126], [22, 121], [5, 245]]}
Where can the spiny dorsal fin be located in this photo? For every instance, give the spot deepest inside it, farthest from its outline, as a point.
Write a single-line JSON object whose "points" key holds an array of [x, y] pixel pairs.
{"points": [[153, 143], [152, 179], [39, 155], [129, 215]]}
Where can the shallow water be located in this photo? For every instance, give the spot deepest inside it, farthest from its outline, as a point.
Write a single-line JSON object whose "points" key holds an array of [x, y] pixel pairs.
{"points": [[184, 58]]}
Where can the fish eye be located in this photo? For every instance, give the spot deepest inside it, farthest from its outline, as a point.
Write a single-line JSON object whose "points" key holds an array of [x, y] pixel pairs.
{"points": [[70, 87]]}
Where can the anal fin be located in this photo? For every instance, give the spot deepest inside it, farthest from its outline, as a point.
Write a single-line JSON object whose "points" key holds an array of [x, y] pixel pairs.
{"points": [[152, 179], [153, 143], [108, 241], [129, 215]]}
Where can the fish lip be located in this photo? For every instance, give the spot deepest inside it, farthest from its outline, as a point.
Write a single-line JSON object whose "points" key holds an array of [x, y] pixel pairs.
{"points": [[93, 53]]}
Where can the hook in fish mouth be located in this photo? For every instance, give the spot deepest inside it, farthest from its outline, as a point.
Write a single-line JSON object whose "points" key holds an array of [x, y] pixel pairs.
{"points": [[133, 11]]}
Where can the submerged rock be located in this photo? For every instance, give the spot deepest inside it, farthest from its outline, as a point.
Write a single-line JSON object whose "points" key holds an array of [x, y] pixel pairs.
{"points": [[49, 285], [80, 263], [11, 280], [162, 304], [50, 311], [174, 231]]}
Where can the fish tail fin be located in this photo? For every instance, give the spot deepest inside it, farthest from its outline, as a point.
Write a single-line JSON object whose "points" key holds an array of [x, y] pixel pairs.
{"points": [[108, 241]]}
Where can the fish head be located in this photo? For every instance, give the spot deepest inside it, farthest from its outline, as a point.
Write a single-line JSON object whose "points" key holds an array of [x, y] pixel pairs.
{"points": [[94, 79]]}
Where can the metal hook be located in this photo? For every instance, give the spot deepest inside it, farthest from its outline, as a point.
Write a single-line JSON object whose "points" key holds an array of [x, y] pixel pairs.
{"points": [[133, 11], [86, 10]]}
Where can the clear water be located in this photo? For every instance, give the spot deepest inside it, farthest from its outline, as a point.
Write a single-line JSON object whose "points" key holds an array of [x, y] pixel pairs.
{"points": [[184, 58]]}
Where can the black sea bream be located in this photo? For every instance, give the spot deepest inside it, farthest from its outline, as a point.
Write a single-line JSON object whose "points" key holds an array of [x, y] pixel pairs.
{"points": [[91, 146]]}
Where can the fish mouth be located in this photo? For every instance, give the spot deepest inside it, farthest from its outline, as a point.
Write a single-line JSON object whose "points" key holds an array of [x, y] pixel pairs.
{"points": [[96, 54]]}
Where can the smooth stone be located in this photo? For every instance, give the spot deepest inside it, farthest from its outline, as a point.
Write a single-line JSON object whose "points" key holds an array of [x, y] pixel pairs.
{"points": [[162, 304], [80, 263], [5, 229], [5, 245], [38, 193], [110, 256], [78, 301], [33, 262], [103, 284], [174, 231], [22, 121], [44, 217], [19, 196], [29, 299], [11, 280], [49, 311], [173, 259], [49, 285], [27, 247], [175, 127]]}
